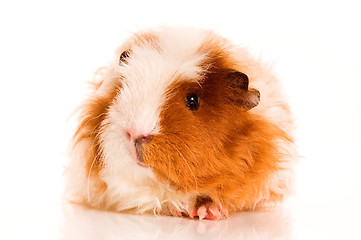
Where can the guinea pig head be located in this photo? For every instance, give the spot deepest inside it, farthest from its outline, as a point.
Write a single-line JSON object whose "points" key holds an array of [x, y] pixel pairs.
{"points": [[200, 125]]}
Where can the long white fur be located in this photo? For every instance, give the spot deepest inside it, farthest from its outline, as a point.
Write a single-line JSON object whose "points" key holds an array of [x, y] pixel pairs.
{"points": [[146, 75]]}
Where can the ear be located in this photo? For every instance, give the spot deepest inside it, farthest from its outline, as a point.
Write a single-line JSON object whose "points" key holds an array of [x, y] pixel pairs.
{"points": [[238, 82], [123, 57], [250, 99]]}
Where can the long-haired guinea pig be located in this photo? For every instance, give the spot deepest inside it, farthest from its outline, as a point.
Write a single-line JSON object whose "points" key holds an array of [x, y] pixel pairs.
{"points": [[182, 123]]}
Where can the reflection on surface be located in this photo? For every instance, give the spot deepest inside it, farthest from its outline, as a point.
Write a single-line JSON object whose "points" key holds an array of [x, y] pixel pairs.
{"points": [[83, 223]]}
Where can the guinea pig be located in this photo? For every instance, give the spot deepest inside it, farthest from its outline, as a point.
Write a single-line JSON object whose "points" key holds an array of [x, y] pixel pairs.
{"points": [[182, 123]]}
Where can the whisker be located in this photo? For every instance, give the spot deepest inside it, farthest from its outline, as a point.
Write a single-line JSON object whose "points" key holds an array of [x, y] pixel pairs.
{"points": [[190, 170], [88, 183], [97, 155], [190, 151], [95, 117]]}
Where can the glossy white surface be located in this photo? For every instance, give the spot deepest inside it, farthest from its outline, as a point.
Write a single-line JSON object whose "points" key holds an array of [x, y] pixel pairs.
{"points": [[267, 225], [49, 50]]}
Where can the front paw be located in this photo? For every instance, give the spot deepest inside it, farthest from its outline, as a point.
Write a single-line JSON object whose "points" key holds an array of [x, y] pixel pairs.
{"points": [[206, 209]]}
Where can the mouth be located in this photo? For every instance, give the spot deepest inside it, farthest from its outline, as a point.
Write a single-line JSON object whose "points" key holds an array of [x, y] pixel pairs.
{"points": [[136, 155], [139, 155]]}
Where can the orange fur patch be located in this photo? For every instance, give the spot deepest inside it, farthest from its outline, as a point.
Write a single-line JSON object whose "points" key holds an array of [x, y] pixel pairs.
{"points": [[147, 39], [221, 151], [88, 132]]}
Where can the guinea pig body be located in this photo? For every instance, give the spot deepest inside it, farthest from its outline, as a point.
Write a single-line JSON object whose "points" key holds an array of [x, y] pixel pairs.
{"points": [[182, 123]]}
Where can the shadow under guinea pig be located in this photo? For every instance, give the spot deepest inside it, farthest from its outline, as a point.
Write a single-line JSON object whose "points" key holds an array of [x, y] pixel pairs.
{"points": [[84, 223]]}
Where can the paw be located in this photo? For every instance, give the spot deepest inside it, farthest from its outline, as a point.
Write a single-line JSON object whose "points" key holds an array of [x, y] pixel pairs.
{"points": [[207, 210]]}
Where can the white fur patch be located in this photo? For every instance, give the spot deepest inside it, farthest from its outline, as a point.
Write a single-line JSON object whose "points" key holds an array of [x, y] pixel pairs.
{"points": [[146, 76]]}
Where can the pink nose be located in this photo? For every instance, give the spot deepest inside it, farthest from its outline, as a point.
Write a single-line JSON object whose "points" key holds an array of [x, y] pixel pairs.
{"points": [[144, 139], [140, 139]]}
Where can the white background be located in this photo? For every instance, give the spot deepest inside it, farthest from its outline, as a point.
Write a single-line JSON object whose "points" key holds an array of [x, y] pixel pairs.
{"points": [[50, 49]]}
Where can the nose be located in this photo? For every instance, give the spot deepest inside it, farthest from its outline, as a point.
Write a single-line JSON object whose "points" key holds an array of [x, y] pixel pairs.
{"points": [[144, 139]]}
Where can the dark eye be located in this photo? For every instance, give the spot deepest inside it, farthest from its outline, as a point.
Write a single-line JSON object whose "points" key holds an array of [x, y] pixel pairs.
{"points": [[192, 101], [123, 57]]}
